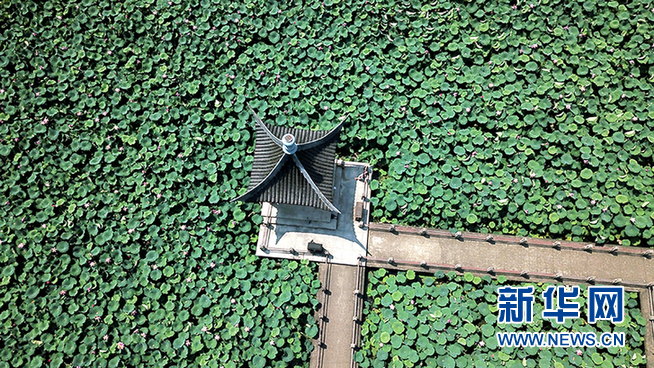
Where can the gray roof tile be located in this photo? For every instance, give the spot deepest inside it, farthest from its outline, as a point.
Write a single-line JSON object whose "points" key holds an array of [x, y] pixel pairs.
{"points": [[287, 185]]}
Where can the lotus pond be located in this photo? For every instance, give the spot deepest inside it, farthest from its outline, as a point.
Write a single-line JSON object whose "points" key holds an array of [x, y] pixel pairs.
{"points": [[450, 320], [123, 135]]}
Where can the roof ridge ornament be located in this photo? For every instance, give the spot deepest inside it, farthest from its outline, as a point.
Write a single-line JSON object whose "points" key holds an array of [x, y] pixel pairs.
{"points": [[289, 147]]}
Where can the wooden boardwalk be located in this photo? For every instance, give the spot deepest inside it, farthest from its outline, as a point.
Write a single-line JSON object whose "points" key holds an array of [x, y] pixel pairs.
{"points": [[521, 259], [535, 258], [340, 316]]}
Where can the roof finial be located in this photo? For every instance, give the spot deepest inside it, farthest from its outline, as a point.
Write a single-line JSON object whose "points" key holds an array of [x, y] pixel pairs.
{"points": [[289, 147]]}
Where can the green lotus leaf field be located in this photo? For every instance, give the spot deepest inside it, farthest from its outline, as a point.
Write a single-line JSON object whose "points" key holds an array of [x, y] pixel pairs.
{"points": [[447, 320], [124, 133]]}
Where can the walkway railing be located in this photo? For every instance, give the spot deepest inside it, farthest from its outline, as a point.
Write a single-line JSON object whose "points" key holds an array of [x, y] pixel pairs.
{"points": [[359, 294], [651, 311], [320, 354]]}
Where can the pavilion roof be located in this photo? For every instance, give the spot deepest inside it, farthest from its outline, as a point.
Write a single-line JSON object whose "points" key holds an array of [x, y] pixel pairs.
{"points": [[304, 177]]}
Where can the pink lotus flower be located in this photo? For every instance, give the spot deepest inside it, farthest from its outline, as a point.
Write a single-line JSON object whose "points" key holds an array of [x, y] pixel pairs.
{"points": [[63, 292], [187, 343], [120, 346], [21, 245], [109, 52], [105, 337], [579, 352]]}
